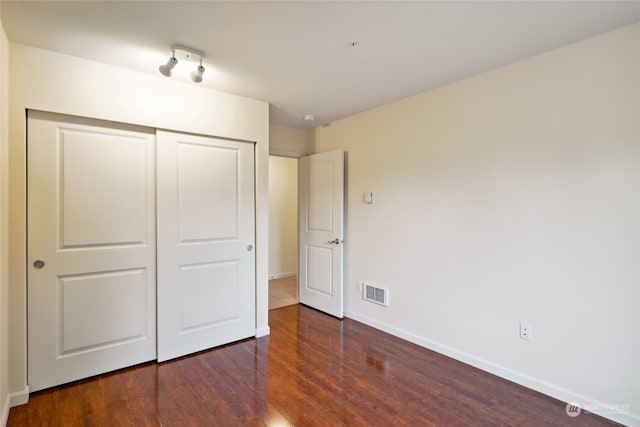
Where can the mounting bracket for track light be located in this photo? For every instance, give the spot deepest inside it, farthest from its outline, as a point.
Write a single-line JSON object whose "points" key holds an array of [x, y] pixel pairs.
{"points": [[184, 52]]}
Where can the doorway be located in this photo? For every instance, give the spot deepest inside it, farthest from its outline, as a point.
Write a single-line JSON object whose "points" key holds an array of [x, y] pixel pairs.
{"points": [[283, 231]]}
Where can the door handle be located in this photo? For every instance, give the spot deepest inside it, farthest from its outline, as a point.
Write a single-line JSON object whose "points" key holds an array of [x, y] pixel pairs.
{"points": [[335, 241], [38, 264]]}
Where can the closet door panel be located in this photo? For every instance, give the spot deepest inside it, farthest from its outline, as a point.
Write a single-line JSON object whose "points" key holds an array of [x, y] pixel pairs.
{"points": [[206, 235], [91, 248]]}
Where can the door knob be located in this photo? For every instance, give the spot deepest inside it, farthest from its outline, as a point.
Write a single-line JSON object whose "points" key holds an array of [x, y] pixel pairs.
{"points": [[335, 241], [38, 264]]}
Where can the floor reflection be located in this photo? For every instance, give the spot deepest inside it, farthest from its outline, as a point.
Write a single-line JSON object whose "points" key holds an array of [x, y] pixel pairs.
{"points": [[313, 370]]}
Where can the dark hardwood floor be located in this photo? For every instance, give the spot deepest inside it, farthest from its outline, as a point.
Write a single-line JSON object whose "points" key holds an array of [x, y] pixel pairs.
{"points": [[313, 370]]}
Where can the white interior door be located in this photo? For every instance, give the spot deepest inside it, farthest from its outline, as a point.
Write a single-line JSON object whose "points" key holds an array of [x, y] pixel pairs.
{"points": [[206, 235], [321, 201], [91, 248]]}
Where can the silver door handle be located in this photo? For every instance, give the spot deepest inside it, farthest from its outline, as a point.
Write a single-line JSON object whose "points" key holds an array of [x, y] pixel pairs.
{"points": [[335, 241], [38, 264]]}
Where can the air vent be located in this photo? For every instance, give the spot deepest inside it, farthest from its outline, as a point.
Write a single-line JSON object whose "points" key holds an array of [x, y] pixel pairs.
{"points": [[375, 294]]}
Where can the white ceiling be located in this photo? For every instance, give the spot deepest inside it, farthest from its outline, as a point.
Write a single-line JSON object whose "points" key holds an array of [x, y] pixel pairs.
{"points": [[296, 55]]}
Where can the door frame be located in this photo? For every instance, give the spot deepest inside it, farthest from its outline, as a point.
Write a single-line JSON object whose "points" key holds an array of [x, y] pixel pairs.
{"points": [[295, 156], [209, 113]]}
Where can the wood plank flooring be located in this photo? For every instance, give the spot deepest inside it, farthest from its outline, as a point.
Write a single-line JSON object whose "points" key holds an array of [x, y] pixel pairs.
{"points": [[313, 370]]}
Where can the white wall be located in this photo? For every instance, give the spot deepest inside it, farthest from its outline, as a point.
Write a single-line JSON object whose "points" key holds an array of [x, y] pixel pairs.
{"points": [[510, 196], [48, 81], [4, 226], [288, 142], [283, 217]]}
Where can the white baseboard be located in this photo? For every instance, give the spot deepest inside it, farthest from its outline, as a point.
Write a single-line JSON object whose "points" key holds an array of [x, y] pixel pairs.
{"points": [[282, 275], [19, 398], [4, 416], [13, 399], [541, 386], [262, 332]]}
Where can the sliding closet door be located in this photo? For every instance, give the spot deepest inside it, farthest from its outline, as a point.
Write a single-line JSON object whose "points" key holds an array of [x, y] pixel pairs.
{"points": [[206, 256], [91, 248]]}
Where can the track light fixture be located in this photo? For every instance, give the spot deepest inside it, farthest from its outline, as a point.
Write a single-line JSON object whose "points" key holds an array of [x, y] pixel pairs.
{"points": [[165, 69], [196, 75], [184, 53]]}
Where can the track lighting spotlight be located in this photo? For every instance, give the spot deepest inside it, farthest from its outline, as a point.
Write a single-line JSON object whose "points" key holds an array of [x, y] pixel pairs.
{"points": [[165, 69], [184, 53], [196, 75]]}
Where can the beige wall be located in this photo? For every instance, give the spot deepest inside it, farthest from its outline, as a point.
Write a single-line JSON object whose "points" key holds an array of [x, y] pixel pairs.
{"points": [[509, 197], [283, 217], [48, 81], [288, 142], [4, 226]]}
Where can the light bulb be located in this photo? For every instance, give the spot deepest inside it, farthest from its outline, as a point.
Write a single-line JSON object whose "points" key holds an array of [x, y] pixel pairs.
{"points": [[165, 69], [196, 76]]}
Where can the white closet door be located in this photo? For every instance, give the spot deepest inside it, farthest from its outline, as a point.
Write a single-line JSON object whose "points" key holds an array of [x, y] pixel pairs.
{"points": [[91, 248], [206, 256]]}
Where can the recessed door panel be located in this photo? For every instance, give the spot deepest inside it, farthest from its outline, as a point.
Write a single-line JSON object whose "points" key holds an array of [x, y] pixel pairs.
{"points": [[319, 270], [102, 188], [208, 203], [209, 294], [320, 212], [102, 309]]}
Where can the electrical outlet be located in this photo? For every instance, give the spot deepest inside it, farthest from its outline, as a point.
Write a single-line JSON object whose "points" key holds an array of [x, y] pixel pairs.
{"points": [[525, 331]]}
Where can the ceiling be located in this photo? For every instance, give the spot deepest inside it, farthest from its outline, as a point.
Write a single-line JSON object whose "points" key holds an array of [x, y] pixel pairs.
{"points": [[298, 56]]}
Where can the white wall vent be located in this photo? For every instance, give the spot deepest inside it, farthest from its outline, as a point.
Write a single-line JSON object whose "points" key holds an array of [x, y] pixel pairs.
{"points": [[375, 294]]}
